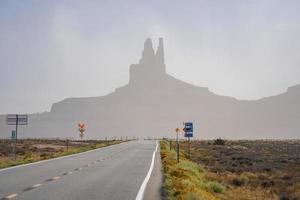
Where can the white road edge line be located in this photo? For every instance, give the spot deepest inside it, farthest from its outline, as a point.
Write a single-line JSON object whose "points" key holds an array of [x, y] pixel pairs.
{"points": [[58, 158], [141, 192]]}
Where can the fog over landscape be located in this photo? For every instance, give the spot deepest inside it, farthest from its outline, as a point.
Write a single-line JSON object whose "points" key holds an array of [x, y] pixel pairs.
{"points": [[154, 102], [150, 100], [53, 50], [232, 68]]}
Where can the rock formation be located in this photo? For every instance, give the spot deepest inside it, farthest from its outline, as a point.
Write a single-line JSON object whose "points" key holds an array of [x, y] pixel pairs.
{"points": [[153, 103], [151, 65]]}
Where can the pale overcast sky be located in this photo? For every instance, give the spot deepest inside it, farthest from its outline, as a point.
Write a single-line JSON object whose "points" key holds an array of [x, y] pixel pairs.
{"points": [[55, 49]]}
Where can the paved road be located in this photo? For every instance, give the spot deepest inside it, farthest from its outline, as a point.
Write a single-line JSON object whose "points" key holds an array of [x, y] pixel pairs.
{"points": [[114, 172]]}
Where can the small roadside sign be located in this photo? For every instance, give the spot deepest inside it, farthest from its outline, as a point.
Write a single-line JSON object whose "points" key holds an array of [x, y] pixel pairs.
{"points": [[16, 120], [81, 129], [13, 135], [188, 129], [188, 132]]}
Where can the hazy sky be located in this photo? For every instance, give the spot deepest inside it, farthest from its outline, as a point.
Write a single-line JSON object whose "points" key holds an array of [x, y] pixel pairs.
{"points": [[51, 50]]}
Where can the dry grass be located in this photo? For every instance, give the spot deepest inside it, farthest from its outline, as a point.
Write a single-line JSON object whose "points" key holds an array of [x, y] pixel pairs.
{"points": [[251, 169], [32, 150], [235, 170], [186, 180]]}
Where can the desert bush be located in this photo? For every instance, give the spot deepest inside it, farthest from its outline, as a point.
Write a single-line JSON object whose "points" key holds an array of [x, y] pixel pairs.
{"points": [[28, 155], [216, 187], [192, 196], [266, 184], [284, 196], [219, 141], [44, 156], [240, 180], [249, 175], [291, 192], [22, 151]]}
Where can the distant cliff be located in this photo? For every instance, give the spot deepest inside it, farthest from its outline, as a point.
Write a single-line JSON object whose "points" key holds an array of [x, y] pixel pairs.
{"points": [[153, 103]]}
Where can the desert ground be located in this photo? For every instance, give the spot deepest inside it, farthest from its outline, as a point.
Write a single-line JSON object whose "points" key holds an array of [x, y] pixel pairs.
{"points": [[244, 169], [30, 150]]}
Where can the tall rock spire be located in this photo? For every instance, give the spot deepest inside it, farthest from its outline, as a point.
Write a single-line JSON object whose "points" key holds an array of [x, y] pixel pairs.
{"points": [[151, 67], [148, 52], [160, 55]]}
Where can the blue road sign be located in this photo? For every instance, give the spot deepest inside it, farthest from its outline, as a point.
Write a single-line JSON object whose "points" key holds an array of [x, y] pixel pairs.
{"points": [[188, 129], [188, 134]]}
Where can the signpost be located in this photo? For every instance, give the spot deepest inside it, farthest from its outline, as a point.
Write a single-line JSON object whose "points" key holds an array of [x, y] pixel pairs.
{"points": [[177, 130], [13, 138], [16, 120], [13, 135], [81, 129], [188, 132]]}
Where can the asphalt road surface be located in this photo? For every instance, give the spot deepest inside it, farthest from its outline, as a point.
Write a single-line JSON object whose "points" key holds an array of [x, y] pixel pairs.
{"points": [[114, 172]]}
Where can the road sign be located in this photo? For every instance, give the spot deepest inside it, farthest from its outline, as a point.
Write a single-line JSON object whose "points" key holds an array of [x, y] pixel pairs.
{"points": [[81, 129], [188, 135], [188, 129], [188, 132], [16, 119], [13, 135]]}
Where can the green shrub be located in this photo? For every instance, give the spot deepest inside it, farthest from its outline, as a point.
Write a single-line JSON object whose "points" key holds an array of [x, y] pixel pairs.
{"points": [[219, 141], [192, 196], [216, 187], [249, 175], [240, 180], [44, 156], [28, 155]]}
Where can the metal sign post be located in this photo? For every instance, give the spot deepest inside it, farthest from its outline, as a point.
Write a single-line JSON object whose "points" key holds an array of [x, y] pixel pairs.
{"points": [[16, 120], [188, 132], [177, 130]]}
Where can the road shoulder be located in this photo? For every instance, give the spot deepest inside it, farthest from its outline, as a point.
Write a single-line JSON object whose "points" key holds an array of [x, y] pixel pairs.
{"points": [[154, 186]]}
